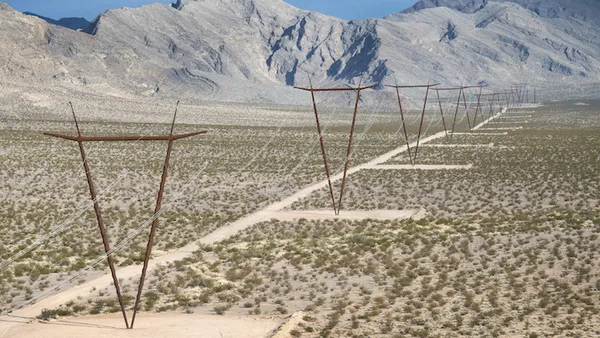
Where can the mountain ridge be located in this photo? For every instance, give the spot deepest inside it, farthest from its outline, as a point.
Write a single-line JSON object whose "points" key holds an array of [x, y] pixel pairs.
{"points": [[69, 22], [250, 49], [584, 10]]}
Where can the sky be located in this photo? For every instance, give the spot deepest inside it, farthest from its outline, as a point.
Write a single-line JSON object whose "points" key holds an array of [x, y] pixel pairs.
{"points": [[89, 9]]}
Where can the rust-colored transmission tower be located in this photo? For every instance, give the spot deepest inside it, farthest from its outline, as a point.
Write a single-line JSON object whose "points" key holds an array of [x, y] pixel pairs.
{"points": [[428, 87], [478, 109], [337, 206], [461, 97], [81, 140], [492, 99]]}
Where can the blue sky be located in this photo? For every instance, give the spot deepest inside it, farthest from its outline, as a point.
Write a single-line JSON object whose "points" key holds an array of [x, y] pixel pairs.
{"points": [[346, 9]]}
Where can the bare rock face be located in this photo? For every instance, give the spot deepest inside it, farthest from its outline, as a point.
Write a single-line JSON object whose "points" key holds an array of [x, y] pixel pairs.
{"points": [[584, 10], [466, 6], [256, 49]]}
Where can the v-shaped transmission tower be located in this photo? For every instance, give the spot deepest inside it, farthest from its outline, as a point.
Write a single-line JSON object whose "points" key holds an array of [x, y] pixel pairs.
{"points": [[461, 97], [428, 87], [80, 139], [337, 206], [478, 109]]}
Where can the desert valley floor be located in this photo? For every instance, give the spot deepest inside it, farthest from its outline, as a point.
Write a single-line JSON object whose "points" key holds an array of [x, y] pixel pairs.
{"points": [[494, 233]]}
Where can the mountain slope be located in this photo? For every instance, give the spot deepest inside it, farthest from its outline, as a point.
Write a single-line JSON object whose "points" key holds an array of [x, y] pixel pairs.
{"points": [[506, 40], [255, 49], [269, 40], [261, 40], [581, 10]]}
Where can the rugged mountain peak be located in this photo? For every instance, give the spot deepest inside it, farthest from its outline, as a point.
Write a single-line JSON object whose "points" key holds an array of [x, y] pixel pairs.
{"points": [[583, 10]]}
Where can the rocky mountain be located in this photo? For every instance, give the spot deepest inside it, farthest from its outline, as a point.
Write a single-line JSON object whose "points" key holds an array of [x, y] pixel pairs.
{"points": [[253, 50], [581, 10], [71, 23]]}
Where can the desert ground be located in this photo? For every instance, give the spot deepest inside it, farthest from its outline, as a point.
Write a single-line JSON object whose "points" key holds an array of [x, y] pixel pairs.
{"points": [[492, 233]]}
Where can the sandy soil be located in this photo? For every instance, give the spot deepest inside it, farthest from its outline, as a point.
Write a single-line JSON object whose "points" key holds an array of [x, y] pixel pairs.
{"points": [[501, 128], [510, 122], [482, 124], [172, 324], [491, 145], [420, 167], [481, 134], [348, 215], [530, 105]]}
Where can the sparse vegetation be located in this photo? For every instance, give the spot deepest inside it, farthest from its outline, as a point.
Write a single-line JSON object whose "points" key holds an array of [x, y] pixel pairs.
{"points": [[508, 248]]}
